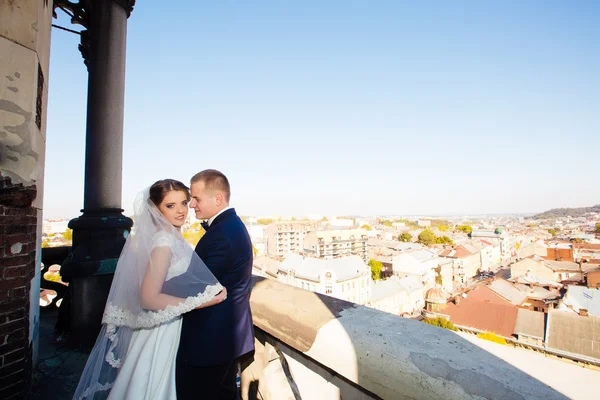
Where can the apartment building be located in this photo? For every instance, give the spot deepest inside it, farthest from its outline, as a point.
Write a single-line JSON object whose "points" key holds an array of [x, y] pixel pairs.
{"points": [[285, 237], [336, 243]]}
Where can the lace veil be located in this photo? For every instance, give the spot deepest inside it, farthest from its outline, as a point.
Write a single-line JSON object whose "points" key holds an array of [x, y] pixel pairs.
{"points": [[188, 278]]}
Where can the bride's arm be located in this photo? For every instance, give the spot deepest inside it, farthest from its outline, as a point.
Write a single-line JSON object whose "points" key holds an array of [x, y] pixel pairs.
{"points": [[151, 297]]}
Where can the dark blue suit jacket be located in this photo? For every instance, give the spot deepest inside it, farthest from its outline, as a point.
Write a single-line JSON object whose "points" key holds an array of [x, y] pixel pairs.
{"points": [[216, 335]]}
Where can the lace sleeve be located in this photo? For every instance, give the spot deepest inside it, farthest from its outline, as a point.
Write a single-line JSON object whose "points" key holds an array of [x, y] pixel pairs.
{"points": [[163, 239]]}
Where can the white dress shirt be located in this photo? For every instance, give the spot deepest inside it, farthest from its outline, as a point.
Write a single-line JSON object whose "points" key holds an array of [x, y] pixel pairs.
{"points": [[210, 220]]}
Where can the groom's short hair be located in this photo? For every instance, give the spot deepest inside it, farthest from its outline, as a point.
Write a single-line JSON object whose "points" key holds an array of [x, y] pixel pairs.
{"points": [[213, 180]]}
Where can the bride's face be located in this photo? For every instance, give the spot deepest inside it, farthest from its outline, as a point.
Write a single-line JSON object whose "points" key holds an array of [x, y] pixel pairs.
{"points": [[175, 207]]}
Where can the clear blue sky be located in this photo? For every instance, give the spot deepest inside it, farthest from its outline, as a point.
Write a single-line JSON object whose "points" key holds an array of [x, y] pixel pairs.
{"points": [[349, 107]]}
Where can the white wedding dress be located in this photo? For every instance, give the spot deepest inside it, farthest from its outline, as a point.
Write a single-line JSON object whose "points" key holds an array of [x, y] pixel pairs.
{"points": [[148, 370]]}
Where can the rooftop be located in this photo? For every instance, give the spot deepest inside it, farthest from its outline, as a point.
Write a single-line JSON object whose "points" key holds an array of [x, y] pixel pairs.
{"points": [[530, 323], [311, 268], [580, 297], [485, 310]]}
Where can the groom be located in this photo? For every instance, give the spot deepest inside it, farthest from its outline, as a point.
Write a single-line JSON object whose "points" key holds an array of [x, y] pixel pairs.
{"points": [[214, 338]]}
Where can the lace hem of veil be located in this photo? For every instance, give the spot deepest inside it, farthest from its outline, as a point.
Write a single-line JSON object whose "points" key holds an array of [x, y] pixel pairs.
{"points": [[117, 316], [97, 387]]}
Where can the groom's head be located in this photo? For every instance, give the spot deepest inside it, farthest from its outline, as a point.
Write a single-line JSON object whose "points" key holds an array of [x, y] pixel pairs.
{"points": [[210, 193]]}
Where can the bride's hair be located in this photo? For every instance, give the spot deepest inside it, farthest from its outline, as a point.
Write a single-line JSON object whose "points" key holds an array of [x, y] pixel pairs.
{"points": [[159, 190]]}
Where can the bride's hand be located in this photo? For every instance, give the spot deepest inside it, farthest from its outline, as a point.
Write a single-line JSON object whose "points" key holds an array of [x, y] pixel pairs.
{"points": [[221, 296]]}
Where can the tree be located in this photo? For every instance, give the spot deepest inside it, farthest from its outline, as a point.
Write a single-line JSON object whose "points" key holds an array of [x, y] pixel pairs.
{"points": [[466, 229], [442, 228], [577, 240], [265, 221], [376, 267], [45, 243], [426, 238], [405, 237], [598, 227], [193, 236], [438, 276], [443, 240], [553, 231], [386, 222], [366, 227], [68, 235], [254, 250]]}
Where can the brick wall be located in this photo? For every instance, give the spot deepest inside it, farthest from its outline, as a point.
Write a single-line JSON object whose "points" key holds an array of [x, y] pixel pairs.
{"points": [[593, 279], [18, 226]]}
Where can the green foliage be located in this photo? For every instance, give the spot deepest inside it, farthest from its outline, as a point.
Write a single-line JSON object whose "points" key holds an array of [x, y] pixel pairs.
{"points": [[553, 231], [441, 224], [366, 227], [466, 229], [325, 219], [52, 277], [426, 238], [443, 240], [376, 267], [68, 235], [254, 250], [387, 222], [45, 243], [567, 212], [193, 236], [598, 227], [498, 231], [405, 237], [492, 337], [410, 224], [265, 221], [441, 322], [577, 240], [438, 276]]}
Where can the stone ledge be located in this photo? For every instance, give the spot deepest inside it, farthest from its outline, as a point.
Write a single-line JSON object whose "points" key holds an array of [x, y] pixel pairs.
{"points": [[395, 357]]}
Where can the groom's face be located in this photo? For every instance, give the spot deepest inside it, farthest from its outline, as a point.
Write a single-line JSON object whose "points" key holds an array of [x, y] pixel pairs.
{"points": [[205, 202]]}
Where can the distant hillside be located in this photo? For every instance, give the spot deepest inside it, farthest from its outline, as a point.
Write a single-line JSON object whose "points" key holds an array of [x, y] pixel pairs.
{"points": [[567, 212]]}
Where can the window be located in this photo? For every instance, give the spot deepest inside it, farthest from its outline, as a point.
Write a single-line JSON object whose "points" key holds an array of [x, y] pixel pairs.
{"points": [[328, 290]]}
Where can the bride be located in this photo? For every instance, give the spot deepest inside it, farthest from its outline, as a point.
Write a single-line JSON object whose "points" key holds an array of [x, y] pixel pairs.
{"points": [[134, 355]]}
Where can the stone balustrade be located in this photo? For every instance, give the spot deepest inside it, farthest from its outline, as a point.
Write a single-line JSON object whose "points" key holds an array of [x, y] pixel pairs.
{"points": [[312, 346]]}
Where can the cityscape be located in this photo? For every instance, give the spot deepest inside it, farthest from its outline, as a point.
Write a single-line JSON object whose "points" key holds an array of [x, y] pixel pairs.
{"points": [[539, 276], [419, 184]]}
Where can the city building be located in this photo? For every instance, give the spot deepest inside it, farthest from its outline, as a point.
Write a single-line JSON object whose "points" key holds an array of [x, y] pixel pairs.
{"points": [[466, 261], [423, 264], [285, 237], [54, 226], [347, 278], [397, 296], [336, 243]]}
